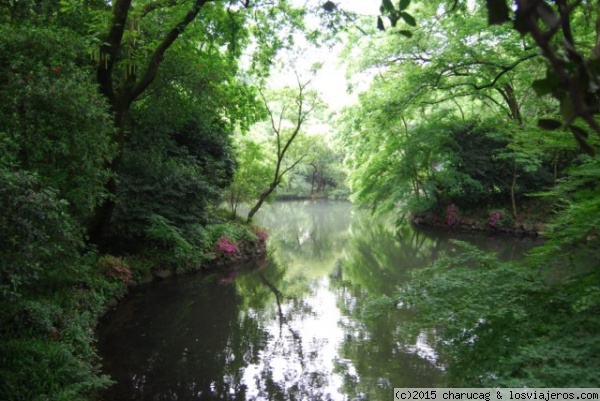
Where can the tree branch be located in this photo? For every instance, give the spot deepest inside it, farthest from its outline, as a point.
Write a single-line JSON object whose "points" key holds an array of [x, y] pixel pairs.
{"points": [[109, 50], [155, 5], [570, 84], [503, 70], [159, 52]]}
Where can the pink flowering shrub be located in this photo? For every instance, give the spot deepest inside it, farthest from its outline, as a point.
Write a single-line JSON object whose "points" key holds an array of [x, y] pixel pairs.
{"points": [[451, 214], [227, 247], [494, 219]]}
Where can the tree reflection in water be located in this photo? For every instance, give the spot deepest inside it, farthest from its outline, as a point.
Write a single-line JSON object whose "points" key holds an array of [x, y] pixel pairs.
{"points": [[317, 322]]}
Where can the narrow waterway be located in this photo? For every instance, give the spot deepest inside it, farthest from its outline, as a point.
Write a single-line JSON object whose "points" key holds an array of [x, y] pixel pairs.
{"points": [[310, 323]]}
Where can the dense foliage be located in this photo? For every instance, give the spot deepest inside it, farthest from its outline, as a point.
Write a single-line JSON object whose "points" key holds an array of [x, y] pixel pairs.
{"points": [[501, 324], [450, 118], [54, 145], [116, 125], [116, 136], [463, 116]]}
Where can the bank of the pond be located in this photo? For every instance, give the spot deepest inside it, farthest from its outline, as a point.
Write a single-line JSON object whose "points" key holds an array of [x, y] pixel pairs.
{"points": [[233, 243], [495, 222], [48, 338]]}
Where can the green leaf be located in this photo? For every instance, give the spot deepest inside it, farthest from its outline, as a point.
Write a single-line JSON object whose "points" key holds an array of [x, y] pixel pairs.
{"points": [[497, 12], [580, 136], [403, 4], [380, 24], [549, 124], [566, 108], [409, 19], [543, 86], [388, 5], [406, 33]]}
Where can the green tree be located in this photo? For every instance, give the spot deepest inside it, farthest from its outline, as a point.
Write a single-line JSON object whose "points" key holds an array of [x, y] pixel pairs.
{"points": [[452, 65], [320, 171], [50, 110], [253, 170], [134, 42], [288, 111], [558, 29]]}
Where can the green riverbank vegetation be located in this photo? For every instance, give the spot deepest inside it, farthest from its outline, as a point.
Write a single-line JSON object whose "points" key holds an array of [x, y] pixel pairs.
{"points": [[122, 130], [485, 115], [117, 125]]}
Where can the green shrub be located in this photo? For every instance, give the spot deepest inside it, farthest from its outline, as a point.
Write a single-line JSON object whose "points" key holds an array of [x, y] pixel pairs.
{"points": [[502, 324]]}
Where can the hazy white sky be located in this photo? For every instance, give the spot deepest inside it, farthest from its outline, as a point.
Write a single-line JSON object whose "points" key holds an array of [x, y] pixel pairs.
{"points": [[367, 7], [330, 80]]}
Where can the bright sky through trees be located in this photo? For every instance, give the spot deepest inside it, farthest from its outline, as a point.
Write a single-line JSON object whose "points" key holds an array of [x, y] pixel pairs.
{"points": [[330, 80]]}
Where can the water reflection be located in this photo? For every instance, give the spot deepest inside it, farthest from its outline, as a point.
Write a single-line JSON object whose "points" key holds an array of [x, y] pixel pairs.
{"points": [[318, 322]]}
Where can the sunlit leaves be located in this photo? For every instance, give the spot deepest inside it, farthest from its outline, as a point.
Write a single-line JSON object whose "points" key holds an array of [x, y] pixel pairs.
{"points": [[500, 322]]}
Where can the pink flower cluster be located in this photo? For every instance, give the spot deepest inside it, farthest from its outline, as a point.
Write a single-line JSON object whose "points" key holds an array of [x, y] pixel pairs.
{"points": [[227, 245], [451, 214], [494, 218]]}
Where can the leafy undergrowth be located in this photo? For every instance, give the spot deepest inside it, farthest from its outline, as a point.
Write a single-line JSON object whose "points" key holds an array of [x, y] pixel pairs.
{"points": [[508, 325], [53, 290], [47, 336], [225, 239]]}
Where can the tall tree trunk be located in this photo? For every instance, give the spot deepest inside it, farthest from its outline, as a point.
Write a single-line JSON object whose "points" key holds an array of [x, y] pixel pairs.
{"points": [[99, 223], [305, 104], [508, 94], [122, 95], [512, 192]]}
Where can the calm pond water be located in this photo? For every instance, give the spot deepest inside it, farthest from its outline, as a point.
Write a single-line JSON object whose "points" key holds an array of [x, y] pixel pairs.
{"points": [[303, 325]]}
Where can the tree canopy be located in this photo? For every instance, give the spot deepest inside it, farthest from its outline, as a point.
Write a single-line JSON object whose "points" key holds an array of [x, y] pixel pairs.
{"points": [[122, 129]]}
